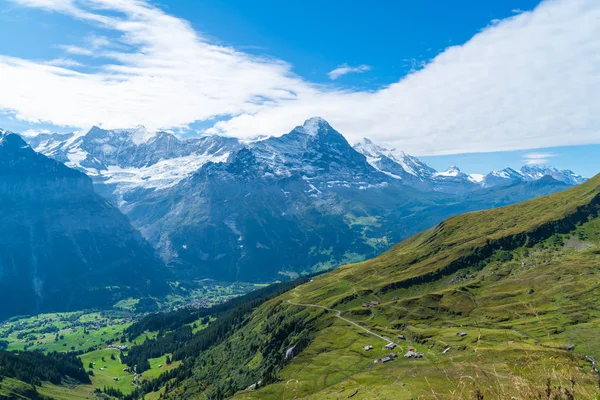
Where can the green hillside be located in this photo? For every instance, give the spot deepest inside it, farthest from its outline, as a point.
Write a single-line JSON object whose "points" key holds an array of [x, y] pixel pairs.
{"points": [[522, 283]]}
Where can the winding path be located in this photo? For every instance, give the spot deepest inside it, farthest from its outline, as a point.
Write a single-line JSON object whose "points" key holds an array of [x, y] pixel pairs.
{"points": [[338, 314]]}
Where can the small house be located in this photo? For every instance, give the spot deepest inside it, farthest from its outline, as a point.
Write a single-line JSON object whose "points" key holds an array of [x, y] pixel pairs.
{"points": [[370, 304], [368, 347], [390, 346], [461, 334], [401, 337], [413, 354]]}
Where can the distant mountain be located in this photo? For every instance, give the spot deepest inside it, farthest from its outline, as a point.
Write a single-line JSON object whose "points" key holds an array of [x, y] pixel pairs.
{"points": [[530, 173], [453, 180], [535, 172], [259, 209], [413, 172], [126, 161], [62, 246], [396, 164]]}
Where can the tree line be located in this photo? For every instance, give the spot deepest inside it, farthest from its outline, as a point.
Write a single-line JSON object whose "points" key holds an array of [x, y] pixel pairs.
{"points": [[35, 367]]}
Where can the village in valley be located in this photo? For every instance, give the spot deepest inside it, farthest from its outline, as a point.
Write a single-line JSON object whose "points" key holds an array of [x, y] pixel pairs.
{"points": [[97, 336]]}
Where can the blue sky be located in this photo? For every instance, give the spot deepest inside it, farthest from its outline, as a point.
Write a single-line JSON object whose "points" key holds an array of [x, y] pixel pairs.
{"points": [[317, 36], [581, 159], [313, 36], [478, 84]]}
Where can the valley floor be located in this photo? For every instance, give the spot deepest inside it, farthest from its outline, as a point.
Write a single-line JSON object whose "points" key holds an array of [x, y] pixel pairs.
{"points": [[95, 335]]}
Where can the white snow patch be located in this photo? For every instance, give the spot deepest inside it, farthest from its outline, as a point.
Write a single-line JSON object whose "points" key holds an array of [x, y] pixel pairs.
{"points": [[311, 125], [452, 171], [76, 156], [162, 175], [477, 178]]}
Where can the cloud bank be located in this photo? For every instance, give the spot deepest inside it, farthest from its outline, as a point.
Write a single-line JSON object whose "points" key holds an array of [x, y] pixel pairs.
{"points": [[529, 81]]}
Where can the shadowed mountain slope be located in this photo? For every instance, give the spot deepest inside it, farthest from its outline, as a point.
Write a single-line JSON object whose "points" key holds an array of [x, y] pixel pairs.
{"points": [[62, 246]]}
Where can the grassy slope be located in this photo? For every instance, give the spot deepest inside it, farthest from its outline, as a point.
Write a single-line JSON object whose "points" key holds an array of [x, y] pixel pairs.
{"points": [[520, 306], [115, 369], [15, 389]]}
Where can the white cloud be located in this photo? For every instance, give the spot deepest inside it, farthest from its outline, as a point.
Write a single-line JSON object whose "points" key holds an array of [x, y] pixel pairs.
{"points": [[538, 158], [76, 50], [64, 62], [529, 81], [346, 69]]}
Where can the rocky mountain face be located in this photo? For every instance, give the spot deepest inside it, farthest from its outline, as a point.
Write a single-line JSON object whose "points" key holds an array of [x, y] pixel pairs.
{"points": [[62, 246], [296, 204], [278, 206], [125, 162]]}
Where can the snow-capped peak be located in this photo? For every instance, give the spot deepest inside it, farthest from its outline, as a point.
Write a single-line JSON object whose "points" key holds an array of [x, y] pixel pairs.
{"points": [[368, 148], [451, 171], [477, 178], [313, 125], [393, 162], [536, 171]]}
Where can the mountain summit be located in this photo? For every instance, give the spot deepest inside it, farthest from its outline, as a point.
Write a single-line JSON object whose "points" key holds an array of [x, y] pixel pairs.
{"points": [[315, 126], [396, 164]]}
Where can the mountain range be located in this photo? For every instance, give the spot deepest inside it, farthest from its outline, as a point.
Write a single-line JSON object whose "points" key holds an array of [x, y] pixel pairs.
{"points": [[278, 206], [128, 160]]}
